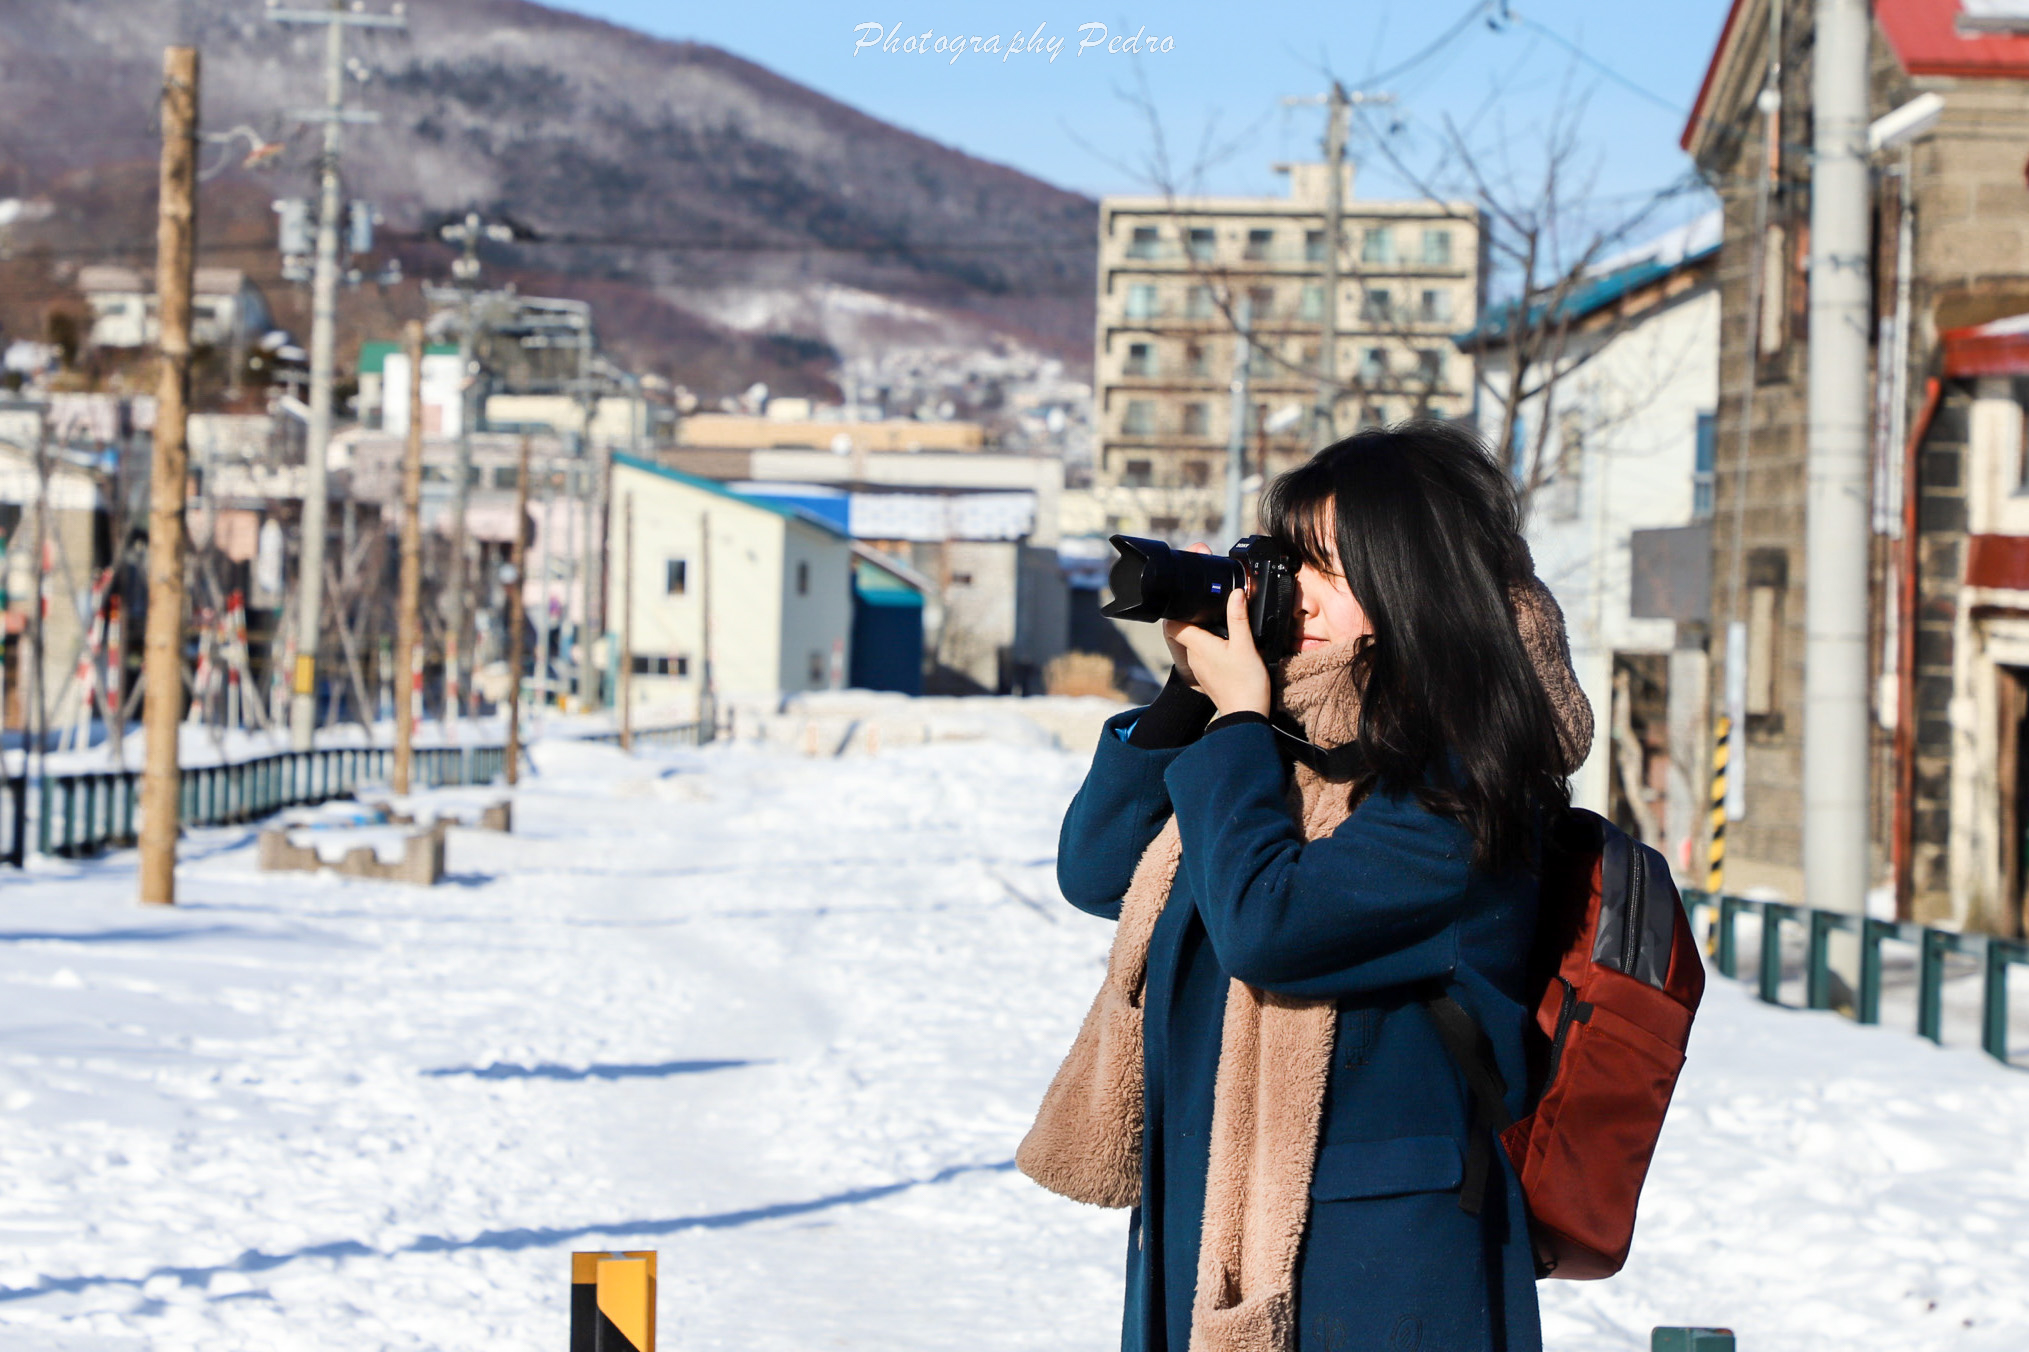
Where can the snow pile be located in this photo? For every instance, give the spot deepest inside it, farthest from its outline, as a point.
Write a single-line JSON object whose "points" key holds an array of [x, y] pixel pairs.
{"points": [[784, 1019]]}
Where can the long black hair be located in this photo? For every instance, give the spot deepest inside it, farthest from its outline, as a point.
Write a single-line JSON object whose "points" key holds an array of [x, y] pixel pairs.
{"points": [[1428, 537]]}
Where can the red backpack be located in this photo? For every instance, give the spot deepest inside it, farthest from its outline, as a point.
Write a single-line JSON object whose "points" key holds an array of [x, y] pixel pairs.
{"points": [[1621, 978]]}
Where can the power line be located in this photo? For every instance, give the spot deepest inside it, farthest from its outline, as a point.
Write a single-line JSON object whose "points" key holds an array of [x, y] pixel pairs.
{"points": [[1437, 45], [1609, 72]]}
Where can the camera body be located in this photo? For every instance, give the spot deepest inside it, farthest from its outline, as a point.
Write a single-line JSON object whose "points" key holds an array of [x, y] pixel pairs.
{"points": [[1151, 581]]}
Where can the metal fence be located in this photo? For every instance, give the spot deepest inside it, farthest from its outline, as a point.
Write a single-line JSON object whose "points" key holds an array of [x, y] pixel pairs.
{"points": [[674, 734], [86, 812], [1996, 956], [13, 819]]}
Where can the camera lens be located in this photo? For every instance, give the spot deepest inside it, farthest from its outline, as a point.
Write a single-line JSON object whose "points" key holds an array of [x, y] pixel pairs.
{"points": [[1151, 581]]}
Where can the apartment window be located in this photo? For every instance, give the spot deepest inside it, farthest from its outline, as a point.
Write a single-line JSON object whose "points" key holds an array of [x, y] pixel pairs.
{"points": [[1197, 360], [1378, 246], [1311, 305], [1147, 242], [961, 579], [1260, 303], [1434, 306], [1377, 306], [802, 578], [1200, 242], [1374, 365], [1430, 366], [1198, 303], [1437, 248], [1140, 360], [1197, 420], [1373, 415], [649, 664], [1704, 466], [1165, 525], [816, 669], [1141, 301], [1313, 246], [1135, 474], [1138, 420], [675, 576], [504, 476], [1197, 473], [1260, 244]]}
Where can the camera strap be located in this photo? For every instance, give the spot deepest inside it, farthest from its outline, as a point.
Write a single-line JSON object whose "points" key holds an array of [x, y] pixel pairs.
{"points": [[1335, 763]]}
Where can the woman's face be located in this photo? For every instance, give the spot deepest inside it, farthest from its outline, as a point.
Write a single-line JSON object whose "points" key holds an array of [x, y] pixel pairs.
{"points": [[1326, 611]]}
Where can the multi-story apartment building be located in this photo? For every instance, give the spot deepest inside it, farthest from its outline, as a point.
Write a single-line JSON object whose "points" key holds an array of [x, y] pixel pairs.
{"points": [[1173, 277]]}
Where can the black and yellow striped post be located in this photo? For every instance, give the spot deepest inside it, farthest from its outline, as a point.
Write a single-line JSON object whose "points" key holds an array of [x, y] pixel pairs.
{"points": [[1715, 864], [613, 1302]]}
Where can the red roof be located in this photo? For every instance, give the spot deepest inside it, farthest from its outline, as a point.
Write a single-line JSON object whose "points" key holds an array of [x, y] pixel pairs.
{"points": [[1926, 39], [1997, 348]]}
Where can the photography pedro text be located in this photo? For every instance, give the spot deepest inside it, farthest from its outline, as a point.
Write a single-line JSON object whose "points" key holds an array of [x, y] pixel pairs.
{"points": [[1092, 36]]}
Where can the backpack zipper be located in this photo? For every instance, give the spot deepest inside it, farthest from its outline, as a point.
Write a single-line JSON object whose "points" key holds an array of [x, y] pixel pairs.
{"points": [[1631, 940]]}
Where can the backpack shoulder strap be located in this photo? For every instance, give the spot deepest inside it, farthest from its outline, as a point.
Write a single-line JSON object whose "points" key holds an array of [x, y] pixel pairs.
{"points": [[1473, 1054]]}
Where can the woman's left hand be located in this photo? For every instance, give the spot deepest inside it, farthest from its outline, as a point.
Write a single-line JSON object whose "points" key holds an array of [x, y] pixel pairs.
{"points": [[1230, 669]]}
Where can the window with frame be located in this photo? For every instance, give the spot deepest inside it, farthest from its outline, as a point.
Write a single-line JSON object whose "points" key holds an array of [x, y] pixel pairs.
{"points": [[1434, 306], [802, 577], [1313, 246], [1197, 360], [1310, 303], [1197, 420], [1140, 360], [675, 576], [1374, 365], [1138, 418], [1198, 303], [1704, 467], [1196, 473], [1767, 596], [1260, 245], [1377, 305], [1136, 474], [1430, 366], [1437, 248], [1146, 242], [1378, 245], [1260, 303], [1201, 242], [1141, 301]]}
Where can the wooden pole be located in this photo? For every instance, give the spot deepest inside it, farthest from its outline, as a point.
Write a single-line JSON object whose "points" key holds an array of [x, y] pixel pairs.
{"points": [[627, 626], [162, 665], [410, 602], [515, 618]]}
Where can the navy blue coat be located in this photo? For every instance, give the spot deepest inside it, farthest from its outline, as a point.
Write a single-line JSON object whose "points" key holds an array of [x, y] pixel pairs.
{"points": [[1391, 899]]}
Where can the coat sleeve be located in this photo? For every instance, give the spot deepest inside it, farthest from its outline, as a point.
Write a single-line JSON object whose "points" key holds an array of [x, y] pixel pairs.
{"points": [[1375, 904], [1116, 813]]}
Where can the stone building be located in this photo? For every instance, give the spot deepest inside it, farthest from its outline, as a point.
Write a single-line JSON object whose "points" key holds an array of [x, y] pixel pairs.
{"points": [[1940, 481], [1172, 276]]}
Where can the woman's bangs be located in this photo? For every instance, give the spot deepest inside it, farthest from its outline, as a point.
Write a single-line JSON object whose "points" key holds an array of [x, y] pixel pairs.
{"points": [[1299, 515]]}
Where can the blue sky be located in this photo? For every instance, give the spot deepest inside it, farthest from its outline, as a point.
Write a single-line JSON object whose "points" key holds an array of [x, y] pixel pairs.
{"points": [[1225, 73]]}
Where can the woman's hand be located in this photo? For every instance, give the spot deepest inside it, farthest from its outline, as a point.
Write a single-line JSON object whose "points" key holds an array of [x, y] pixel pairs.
{"points": [[1229, 669]]}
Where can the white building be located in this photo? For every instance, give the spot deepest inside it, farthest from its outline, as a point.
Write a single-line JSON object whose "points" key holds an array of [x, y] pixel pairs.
{"points": [[1619, 488], [774, 580], [226, 308]]}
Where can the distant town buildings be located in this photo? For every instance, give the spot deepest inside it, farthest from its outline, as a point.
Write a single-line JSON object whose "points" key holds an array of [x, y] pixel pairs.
{"points": [[227, 309], [1173, 277]]}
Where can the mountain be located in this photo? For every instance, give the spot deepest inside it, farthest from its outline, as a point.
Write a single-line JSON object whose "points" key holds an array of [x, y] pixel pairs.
{"points": [[726, 221]]}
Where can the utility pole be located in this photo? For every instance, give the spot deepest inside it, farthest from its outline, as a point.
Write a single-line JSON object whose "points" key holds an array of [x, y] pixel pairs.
{"points": [[517, 579], [323, 342], [627, 625], [162, 669], [1236, 429], [409, 605], [1836, 521], [465, 273], [1338, 108]]}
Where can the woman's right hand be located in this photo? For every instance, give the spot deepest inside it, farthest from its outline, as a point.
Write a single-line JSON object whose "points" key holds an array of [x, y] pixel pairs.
{"points": [[1179, 658]]}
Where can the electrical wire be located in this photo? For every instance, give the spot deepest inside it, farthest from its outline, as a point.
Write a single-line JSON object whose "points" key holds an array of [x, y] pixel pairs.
{"points": [[1609, 72]]}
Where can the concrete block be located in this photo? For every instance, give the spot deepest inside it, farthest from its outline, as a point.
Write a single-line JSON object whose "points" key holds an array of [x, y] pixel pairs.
{"points": [[420, 863]]}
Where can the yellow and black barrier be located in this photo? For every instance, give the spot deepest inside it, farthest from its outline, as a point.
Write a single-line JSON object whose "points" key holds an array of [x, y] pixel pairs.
{"points": [[613, 1302], [1715, 868]]}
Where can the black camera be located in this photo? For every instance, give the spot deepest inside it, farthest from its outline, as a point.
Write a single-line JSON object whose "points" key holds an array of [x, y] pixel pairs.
{"points": [[1151, 581]]}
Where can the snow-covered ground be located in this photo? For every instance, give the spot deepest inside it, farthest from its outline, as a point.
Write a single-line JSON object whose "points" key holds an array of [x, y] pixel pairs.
{"points": [[783, 1019]]}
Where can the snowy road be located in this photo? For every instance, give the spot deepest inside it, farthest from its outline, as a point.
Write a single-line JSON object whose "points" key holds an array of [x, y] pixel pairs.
{"points": [[784, 1020]]}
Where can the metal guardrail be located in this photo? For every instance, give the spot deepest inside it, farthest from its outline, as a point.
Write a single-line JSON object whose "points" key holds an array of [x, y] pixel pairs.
{"points": [[675, 734], [1996, 956], [87, 812]]}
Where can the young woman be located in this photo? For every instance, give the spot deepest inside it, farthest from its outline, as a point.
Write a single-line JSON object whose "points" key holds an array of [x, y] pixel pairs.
{"points": [[1260, 1078]]}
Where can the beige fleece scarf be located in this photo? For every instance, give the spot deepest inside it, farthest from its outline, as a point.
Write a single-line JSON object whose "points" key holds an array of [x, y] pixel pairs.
{"points": [[1274, 1053]]}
